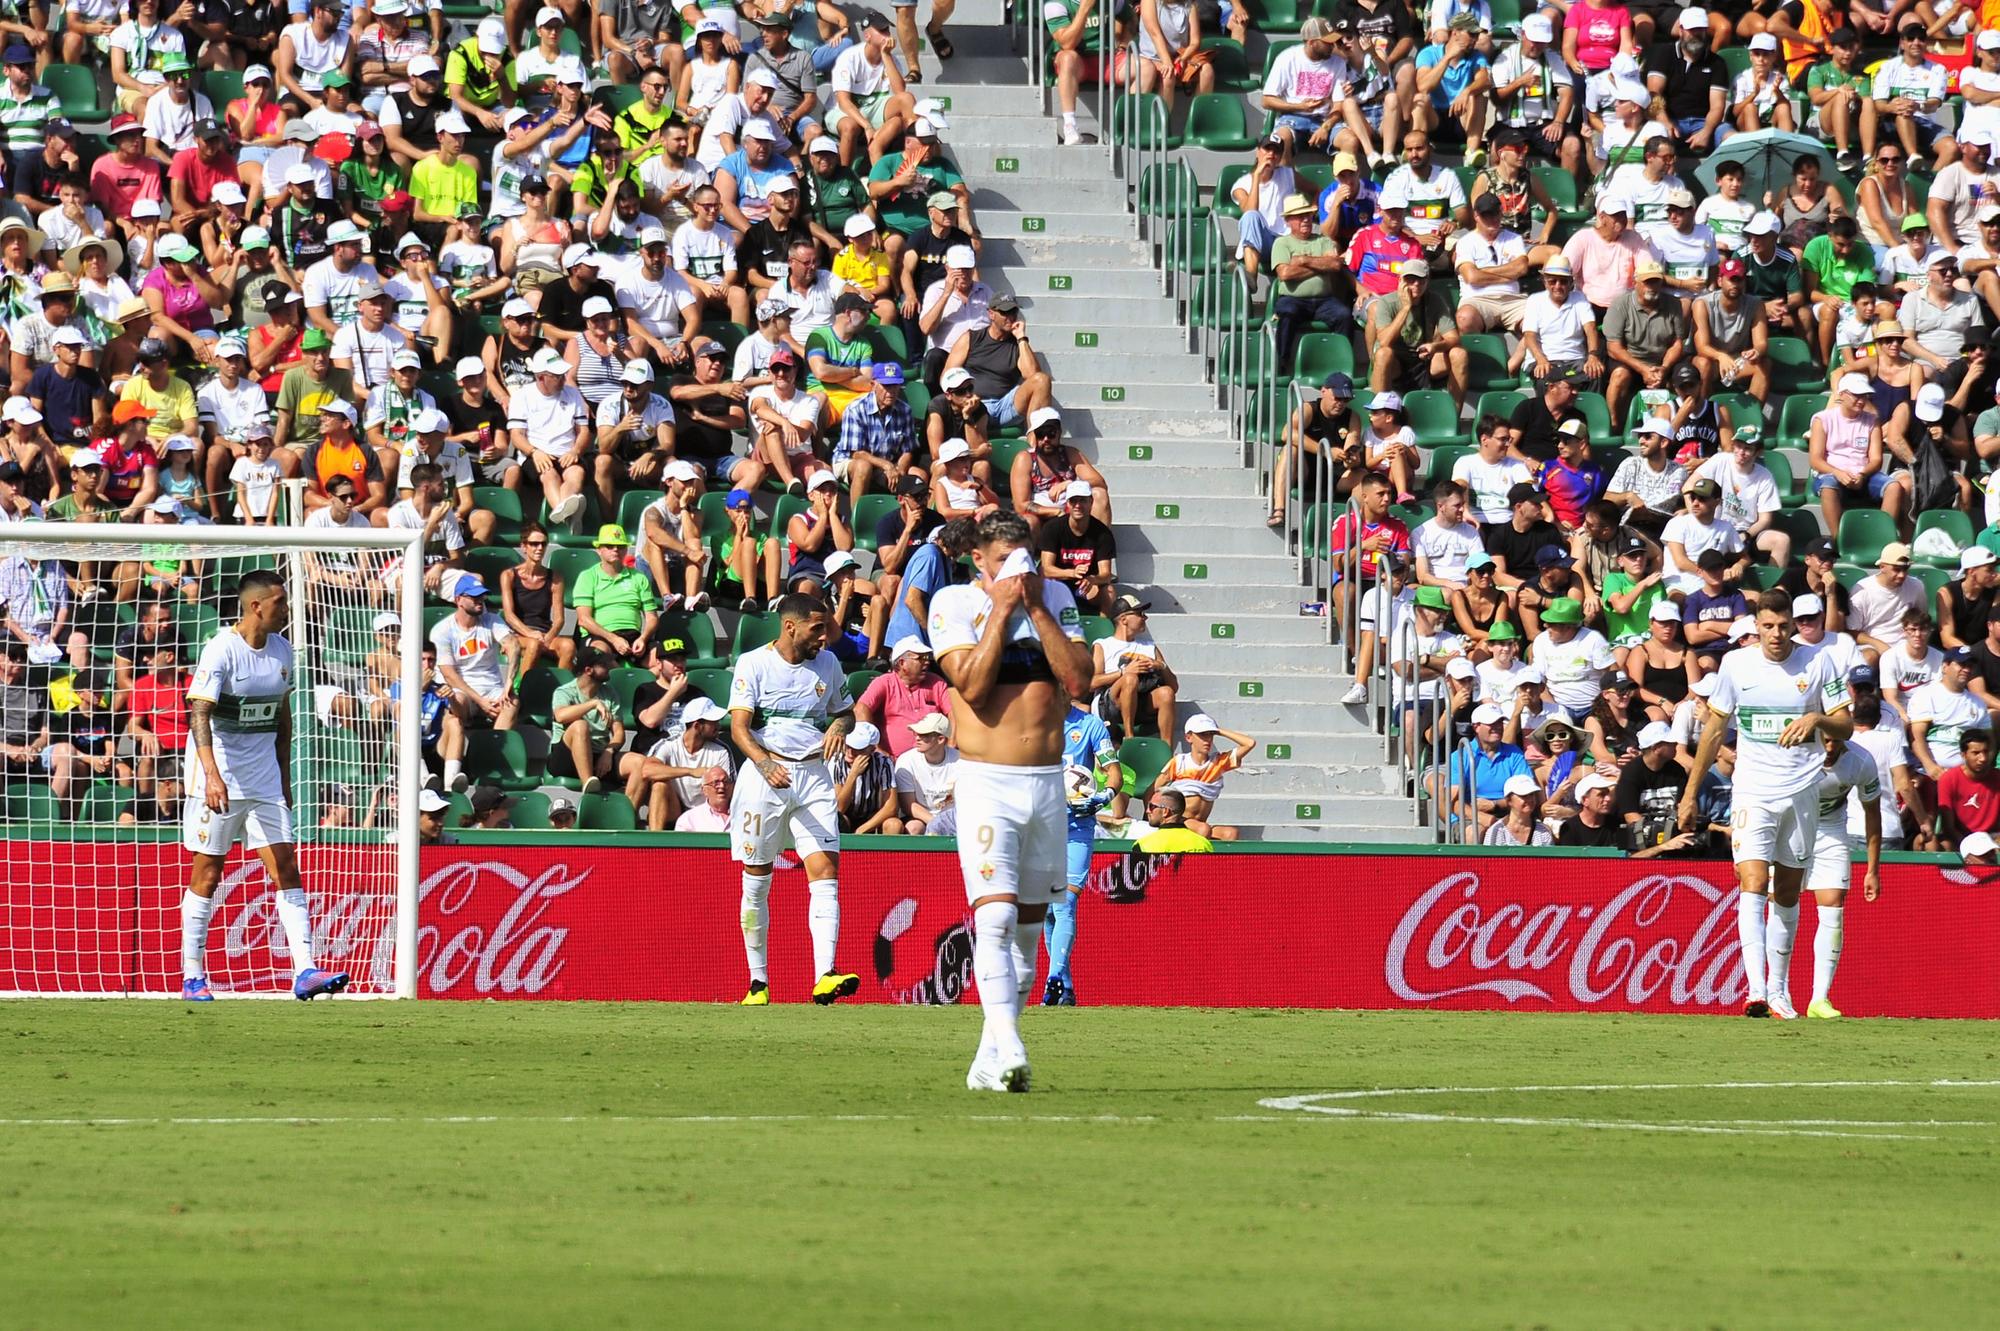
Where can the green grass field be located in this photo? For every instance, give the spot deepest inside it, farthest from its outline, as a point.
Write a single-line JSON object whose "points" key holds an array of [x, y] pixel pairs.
{"points": [[523, 1165]]}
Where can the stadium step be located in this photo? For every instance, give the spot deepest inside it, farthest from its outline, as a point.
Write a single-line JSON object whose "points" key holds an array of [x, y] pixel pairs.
{"points": [[1191, 534]]}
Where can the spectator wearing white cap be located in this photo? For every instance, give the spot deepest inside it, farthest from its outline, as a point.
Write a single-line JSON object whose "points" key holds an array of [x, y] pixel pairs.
{"points": [[1624, 101], [1760, 96], [676, 772], [908, 693], [417, 294], [863, 267], [1535, 92], [1909, 92], [1964, 603], [834, 192], [479, 424], [1043, 469], [1474, 782], [953, 306], [597, 355], [872, 107], [542, 66], [746, 178], [409, 115], [1521, 822], [1962, 189], [708, 73], [778, 222], [731, 118], [227, 406], [1080, 550], [550, 426], [1594, 824], [386, 47], [428, 439], [1844, 448], [864, 780], [1197, 771], [253, 478], [925, 776], [332, 286], [388, 418]]}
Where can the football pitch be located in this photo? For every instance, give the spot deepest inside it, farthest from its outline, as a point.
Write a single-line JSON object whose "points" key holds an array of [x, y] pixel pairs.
{"points": [[530, 1165]]}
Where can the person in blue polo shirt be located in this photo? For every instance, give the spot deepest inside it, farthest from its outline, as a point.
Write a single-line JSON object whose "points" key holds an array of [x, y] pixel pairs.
{"points": [[1493, 762]]}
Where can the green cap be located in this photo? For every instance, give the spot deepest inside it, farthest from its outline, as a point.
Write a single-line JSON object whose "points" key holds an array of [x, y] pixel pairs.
{"points": [[335, 79], [1503, 632], [176, 62], [1914, 222], [611, 534], [944, 199], [1432, 597], [315, 339], [1562, 610]]}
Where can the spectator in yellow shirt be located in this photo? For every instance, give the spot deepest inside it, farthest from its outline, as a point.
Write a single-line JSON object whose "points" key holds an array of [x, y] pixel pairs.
{"points": [[1166, 813], [864, 268], [156, 387]]}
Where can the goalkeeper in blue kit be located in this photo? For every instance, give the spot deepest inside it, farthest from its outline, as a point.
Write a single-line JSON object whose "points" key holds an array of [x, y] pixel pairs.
{"points": [[1091, 777]]}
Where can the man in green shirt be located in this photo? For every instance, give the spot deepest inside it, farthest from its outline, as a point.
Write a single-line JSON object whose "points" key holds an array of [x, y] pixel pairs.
{"points": [[833, 192], [1413, 337], [1072, 26], [85, 502], [901, 182], [588, 731], [617, 609], [1304, 263], [1829, 267], [840, 354], [306, 388]]}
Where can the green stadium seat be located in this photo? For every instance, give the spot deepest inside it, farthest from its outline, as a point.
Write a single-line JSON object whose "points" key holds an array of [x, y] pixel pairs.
{"points": [[75, 86], [1742, 408], [1004, 453], [1441, 460], [712, 684], [1230, 309], [1780, 467], [1597, 416], [1095, 627], [1321, 354], [1171, 189], [1136, 123], [1241, 360], [530, 812], [1803, 525], [489, 561], [572, 564], [754, 631], [1495, 402], [1275, 15], [1434, 416], [609, 812], [624, 685], [1142, 758], [537, 691], [1225, 181], [1792, 367], [505, 506], [615, 97], [1216, 121], [1863, 533], [1954, 524], [500, 758], [1795, 419], [859, 680], [1487, 354], [1799, 466], [633, 503], [1232, 71], [1561, 188], [223, 86], [1188, 247], [869, 511]]}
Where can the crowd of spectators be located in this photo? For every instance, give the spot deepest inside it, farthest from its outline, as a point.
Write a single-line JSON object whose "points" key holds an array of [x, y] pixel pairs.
{"points": [[643, 316]]}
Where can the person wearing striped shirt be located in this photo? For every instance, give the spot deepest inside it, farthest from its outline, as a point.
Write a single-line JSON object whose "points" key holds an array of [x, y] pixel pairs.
{"points": [[25, 107]]}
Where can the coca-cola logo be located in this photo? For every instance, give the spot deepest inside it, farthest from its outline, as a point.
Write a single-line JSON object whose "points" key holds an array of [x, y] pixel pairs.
{"points": [[518, 954], [948, 976], [353, 931], [1625, 950]]}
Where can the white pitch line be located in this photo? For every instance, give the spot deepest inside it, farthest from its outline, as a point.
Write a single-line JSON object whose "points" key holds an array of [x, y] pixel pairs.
{"points": [[1316, 1103], [454, 1120]]}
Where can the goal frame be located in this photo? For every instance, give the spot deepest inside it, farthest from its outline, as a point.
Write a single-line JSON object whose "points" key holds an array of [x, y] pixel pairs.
{"points": [[56, 537]]}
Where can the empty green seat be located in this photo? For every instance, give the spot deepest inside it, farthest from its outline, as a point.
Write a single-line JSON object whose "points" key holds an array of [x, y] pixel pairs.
{"points": [[1863, 533]]}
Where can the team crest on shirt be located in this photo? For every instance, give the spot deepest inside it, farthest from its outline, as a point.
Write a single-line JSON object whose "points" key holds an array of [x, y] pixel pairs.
{"points": [[819, 690], [1075, 736], [1801, 683], [986, 872]]}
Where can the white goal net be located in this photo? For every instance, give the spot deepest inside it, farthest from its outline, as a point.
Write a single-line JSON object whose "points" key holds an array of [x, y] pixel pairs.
{"points": [[100, 630]]}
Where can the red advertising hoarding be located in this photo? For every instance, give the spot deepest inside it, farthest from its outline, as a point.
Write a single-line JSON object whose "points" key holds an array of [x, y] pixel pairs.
{"points": [[1469, 932]]}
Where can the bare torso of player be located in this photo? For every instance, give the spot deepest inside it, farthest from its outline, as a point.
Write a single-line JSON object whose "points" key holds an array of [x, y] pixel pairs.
{"points": [[1021, 725]]}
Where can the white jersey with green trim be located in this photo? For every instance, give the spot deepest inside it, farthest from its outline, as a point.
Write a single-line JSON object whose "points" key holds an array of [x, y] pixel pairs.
{"points": [[1765, 697], [789, 705], [250, 687], [1853, 770]]}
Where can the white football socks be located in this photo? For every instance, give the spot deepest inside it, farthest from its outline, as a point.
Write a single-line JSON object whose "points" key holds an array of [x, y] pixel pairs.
{"points": [[1780, 930], [296, 918], [756, 917], [823, 918], [195, 913], [993, 928], [1827, 938], [1750, 934], [1027, 949]]}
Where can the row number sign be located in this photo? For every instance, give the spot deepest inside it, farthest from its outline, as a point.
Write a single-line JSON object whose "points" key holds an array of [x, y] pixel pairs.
{"points": [[1034, 225], [1222, 630], [1307, 813], [1006, 165], [1086, 339], [1061, 282], [1167, 512], [1278, 752], [1194, 572], [1141, 452], [1111, 393]]}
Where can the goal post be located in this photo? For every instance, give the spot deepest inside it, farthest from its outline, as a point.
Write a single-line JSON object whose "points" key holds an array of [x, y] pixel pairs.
{"points": [[103, 624]]}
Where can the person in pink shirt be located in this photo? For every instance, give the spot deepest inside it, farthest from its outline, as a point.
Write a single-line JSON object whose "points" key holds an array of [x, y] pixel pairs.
{"points": [[1844, 449], [1593, 34], [906, 695], [125, 175], [1603, 256]]}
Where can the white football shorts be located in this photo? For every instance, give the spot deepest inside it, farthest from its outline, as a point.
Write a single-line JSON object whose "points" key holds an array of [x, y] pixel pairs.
{"points": [[1013, 831], [805, 814], [1778, 832]]}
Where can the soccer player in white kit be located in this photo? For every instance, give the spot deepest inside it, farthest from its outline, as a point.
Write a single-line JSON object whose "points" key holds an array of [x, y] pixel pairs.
{"points": [[789, 714], [1846, 768], [239, 766], [1011, 645], [1785, 699]]}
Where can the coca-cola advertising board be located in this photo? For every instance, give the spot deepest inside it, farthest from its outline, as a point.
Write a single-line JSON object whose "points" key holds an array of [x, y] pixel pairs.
{"points": [[1470, 931]]}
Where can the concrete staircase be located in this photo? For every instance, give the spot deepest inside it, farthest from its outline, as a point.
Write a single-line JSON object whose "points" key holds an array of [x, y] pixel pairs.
{"points": [[1190, 529]]}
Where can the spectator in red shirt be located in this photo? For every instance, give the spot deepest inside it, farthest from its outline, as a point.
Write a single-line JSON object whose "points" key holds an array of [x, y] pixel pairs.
{"points": [[1969, 794], [156, 712], [196, 172], [1379, 529], [906, 695], [124, 175]]}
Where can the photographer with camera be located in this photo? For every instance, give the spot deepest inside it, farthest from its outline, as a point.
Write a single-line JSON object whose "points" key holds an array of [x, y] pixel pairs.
{"points": [[1648, 798]]}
